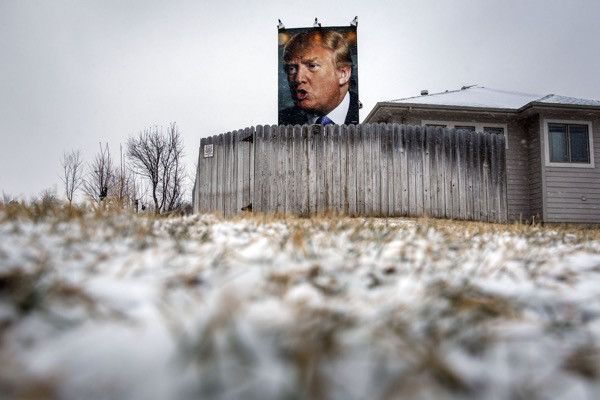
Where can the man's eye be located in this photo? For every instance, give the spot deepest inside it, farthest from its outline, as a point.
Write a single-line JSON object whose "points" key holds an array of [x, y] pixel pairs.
{"points": [[312, 66], [291, 69]]}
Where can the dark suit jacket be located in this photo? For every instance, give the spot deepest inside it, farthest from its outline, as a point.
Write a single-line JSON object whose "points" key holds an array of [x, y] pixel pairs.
{"points": [[297, 116]]}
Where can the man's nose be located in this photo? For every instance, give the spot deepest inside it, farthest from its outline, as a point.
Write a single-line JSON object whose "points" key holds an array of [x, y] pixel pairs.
{"points": [[300, 74]]}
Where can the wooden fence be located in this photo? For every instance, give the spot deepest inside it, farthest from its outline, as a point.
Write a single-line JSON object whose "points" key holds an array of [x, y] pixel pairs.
{"points": [[364, 170]]}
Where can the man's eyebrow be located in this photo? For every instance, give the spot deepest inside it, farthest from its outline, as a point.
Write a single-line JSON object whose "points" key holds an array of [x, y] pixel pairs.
{"points": [[310, 60]]}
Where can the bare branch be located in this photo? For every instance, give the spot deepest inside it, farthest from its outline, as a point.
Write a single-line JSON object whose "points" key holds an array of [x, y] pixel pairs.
{"points": [[100, 178], [157, 157], [72, 178]]}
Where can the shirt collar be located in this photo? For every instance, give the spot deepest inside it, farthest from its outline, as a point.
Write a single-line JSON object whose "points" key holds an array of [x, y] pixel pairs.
{"points": [[338, 115]]}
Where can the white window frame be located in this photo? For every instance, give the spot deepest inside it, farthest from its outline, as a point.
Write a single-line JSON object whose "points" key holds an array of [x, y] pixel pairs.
{"points": [[478, 126], [546, 140]]}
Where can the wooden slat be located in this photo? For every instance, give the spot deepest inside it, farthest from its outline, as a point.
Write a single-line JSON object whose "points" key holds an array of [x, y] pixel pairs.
{"points": [[220, 173], [224, 178], [275, 196], [259, 170], [312, 171], [299, 167], [228, 174], [411, 149], [343, 171], [230, 168], [322, 169], [244, 199], [368, 169], [404, 169], [212, 178], [290, 194], [434, 153], [455, 174], [376, 168], [389, 135], [396, 169], [267, 179], [476, 172], [462, 172], [387, 196], [200, 195], [274, 181], [304, 170], [204, 177], [425, 175], [360, 170], [439, 173], [233, 175], [351, 162], [214, 174], [469, 174], [251, 165], [335, 157], [327, 168], [447, 170], [238, 171], [419, 171], [280, 150]]}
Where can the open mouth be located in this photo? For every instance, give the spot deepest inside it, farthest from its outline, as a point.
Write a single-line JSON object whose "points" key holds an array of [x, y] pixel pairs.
{"points": [[301, 94]]}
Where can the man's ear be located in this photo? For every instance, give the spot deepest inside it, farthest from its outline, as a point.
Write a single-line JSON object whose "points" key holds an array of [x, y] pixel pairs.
{"points": [[344, 73]]}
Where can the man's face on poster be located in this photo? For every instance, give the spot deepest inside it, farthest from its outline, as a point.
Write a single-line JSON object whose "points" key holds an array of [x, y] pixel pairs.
{"points": [[317, 85]]}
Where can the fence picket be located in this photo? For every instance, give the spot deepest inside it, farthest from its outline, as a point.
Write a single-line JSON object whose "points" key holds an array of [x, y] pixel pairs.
{"points": [[376, 167], [351, 165], [303, 166], [396, 169]]}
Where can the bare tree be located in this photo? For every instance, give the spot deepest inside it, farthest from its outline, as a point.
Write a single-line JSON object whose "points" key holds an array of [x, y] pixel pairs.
{"points": [[158, 156], [100, 178], [72, 178]]}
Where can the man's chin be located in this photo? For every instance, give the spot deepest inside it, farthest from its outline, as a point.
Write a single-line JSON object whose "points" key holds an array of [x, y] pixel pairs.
{"points": [[307, 108]]}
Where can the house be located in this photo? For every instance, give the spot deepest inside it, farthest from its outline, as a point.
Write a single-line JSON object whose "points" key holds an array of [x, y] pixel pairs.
{"points": [[552, 145]]}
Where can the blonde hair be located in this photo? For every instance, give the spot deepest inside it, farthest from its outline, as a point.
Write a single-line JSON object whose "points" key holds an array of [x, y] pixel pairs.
{"points": [[332, 40]]}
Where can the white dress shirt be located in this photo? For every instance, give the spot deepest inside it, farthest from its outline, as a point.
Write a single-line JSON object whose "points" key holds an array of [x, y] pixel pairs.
{"points": [[338, 115]]}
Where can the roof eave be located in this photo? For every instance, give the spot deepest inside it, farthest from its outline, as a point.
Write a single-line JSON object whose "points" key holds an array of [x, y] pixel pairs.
{"points": [[441, 107], [558, 105], [444, 107]]}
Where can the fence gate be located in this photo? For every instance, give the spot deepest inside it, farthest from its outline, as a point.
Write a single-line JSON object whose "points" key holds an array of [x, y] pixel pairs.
{"points": [[362, 170]]}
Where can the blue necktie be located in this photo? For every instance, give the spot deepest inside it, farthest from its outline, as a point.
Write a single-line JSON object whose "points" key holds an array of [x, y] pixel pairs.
{"points": [[324, 120]]}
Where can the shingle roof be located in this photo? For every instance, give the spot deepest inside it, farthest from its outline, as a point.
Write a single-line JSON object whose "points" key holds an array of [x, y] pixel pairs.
{"points": [[556, 99], [482, 97]]}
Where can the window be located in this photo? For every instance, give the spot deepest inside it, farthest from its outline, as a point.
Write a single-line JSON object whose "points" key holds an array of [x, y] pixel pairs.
{"points": [[493, 129], [568, 144], [499, 129]]}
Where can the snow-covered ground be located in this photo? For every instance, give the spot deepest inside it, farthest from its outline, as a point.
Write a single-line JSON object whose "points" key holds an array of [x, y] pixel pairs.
{"points": [[115, 306]]}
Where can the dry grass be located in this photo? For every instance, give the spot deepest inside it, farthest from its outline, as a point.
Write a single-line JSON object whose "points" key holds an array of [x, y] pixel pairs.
{"points": [[262, 306]]}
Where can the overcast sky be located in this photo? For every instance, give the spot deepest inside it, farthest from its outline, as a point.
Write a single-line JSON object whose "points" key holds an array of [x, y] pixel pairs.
{"points": [[74, 73]]}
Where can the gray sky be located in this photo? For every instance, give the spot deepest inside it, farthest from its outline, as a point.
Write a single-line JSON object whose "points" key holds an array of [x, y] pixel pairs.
{"points": [[74, 73]]}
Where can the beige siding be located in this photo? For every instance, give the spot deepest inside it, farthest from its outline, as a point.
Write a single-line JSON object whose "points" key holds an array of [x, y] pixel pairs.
{"points": [[573, 194]]}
